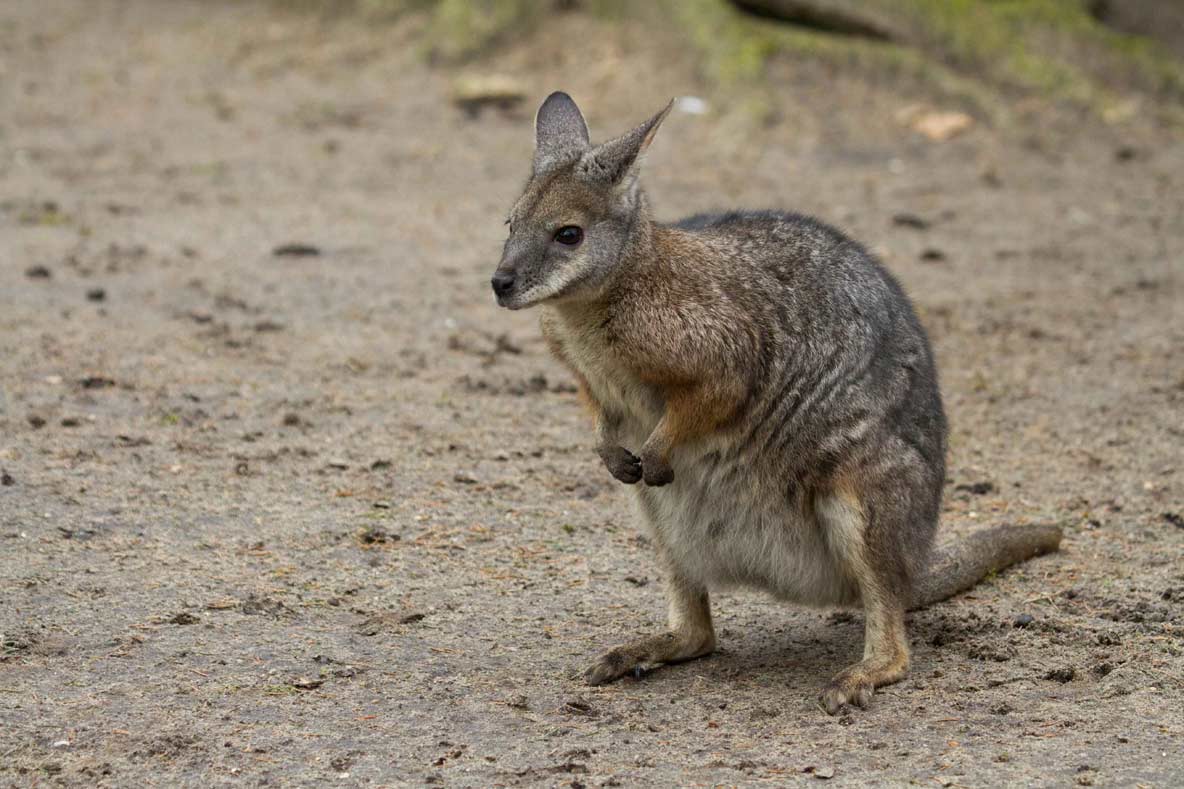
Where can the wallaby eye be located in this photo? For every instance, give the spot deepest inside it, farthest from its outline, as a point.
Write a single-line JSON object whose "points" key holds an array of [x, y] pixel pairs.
{"points": [[569, 235]]}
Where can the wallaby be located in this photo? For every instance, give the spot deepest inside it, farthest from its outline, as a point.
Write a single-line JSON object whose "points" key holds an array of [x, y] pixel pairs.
{"points": [[767, 382]]}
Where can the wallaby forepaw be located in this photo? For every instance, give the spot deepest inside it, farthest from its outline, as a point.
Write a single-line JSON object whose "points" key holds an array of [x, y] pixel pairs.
{"points": [[621, 463], [656, 471]]}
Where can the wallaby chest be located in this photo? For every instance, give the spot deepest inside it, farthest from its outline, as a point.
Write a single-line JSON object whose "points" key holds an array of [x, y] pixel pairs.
{"points": [[583, 342], [724, 524]]}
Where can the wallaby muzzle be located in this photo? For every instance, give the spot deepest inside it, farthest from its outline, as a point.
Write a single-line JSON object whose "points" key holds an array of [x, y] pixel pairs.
{"points": [[503, 282], [514, 272]]}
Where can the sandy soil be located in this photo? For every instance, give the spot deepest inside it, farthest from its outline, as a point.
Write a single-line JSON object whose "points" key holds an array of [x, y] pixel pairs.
{"points": [[335, 519]]}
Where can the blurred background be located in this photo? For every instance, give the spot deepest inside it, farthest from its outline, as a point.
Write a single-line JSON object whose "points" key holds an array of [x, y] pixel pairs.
{"points": [[1091, 52], [286, 498]]}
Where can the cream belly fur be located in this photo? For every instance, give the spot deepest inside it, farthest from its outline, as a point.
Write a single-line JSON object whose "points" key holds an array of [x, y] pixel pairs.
{"points": [[719, 528], [720, 524]]}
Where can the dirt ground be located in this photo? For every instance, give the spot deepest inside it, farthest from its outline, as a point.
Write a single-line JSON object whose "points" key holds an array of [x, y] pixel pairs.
{"points": [[334, 519]]}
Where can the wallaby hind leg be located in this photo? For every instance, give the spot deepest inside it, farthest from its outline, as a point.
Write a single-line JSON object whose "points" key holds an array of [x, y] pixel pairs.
{"points": [[883, 591], [691, 635], [885, 658]]}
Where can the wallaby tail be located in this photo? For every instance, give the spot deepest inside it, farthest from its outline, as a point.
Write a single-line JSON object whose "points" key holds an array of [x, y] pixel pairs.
{"points": [[958, 566]]}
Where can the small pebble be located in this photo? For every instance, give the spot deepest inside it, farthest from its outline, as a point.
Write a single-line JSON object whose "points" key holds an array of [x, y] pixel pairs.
{"points": [[1062, 674], [306, 683], [910, 220], [296, 251]]}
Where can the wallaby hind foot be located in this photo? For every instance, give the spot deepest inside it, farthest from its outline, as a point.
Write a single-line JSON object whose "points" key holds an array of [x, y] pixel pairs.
{"points": [[648, 653], [886, 660], [691, 635]]}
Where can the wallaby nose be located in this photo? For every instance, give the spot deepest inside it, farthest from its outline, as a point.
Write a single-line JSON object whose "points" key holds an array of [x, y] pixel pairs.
{"points": [[503, 282]]}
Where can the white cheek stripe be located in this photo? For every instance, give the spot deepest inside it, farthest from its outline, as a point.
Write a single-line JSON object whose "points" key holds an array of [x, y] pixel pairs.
{"points": [[556, 281]]}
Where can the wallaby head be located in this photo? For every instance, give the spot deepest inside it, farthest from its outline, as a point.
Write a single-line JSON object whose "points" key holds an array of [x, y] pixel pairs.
{"points": [[578, 213]]}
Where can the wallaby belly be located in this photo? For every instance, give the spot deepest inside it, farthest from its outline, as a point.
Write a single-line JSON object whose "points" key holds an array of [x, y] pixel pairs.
{"points": [[725, 527]]}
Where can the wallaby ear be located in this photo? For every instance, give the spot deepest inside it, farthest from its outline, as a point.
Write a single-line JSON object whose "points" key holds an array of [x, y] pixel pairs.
{"points": [[618, 161], [559, 131]]}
